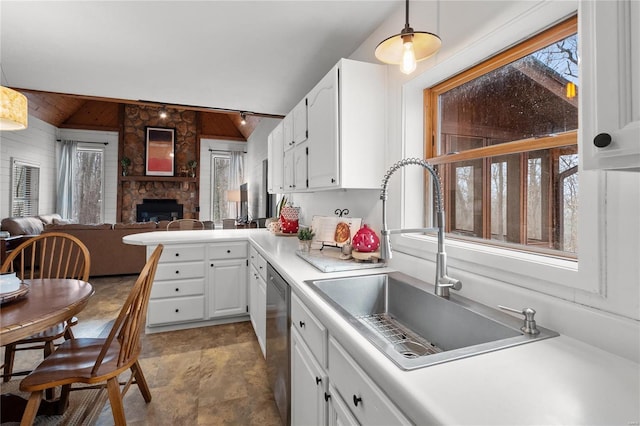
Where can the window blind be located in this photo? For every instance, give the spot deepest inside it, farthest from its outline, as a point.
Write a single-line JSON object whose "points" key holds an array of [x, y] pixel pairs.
{"points": [[25, 189]]}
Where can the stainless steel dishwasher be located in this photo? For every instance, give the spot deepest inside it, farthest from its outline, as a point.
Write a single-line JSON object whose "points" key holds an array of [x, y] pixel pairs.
{"points": [[278, 352]]}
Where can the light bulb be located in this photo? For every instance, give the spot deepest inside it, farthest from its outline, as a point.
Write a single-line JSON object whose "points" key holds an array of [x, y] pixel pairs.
{"points": [[243, 119], [408, 64]]}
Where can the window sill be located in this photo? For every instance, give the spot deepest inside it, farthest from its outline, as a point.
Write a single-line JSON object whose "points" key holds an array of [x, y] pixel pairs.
{"points": [[549, 275]]}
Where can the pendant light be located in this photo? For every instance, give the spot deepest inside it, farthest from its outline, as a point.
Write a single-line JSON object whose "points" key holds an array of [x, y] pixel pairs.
{"points": [[408, 47], [13, 109]]}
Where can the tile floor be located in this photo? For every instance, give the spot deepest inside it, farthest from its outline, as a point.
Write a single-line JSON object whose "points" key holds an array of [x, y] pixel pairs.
{"points": [[203, 376]]}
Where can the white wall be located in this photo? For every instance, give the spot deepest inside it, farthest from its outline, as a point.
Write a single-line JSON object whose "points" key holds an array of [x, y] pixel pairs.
{"points": [[36, 144], [110, 164], [256, 153]]}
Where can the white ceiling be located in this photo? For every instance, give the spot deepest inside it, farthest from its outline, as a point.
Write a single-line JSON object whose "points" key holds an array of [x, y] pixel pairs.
{"points": [[259, 56]]}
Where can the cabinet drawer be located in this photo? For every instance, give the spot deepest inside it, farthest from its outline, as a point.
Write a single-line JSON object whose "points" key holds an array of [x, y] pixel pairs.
{"points": [[228, 250], [177, 288], [312, 331], [174, 271], [181, 253], [363, 397], [180, 309], [258, 262]]}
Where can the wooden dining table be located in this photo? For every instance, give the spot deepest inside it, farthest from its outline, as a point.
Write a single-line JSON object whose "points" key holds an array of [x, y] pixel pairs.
{"points": [[47, 303]]}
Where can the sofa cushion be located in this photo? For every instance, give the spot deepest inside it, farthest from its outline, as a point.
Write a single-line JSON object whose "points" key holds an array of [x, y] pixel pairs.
{"points": [[135, 225], [49, 218], [22, 225], [62, 221], [76, 226]]}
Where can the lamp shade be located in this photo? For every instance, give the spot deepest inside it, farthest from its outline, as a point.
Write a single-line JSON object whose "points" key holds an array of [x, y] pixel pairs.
{"points": [[233, 195], [390, 50], [13, 109]]}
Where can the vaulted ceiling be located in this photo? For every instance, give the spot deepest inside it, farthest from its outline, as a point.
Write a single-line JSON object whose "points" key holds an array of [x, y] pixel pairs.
{"points": [[90, 113]]}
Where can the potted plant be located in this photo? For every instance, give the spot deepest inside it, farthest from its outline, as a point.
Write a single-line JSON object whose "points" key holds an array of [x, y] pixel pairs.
{"points": [[305, 236], [192, 165], [125, 162]]}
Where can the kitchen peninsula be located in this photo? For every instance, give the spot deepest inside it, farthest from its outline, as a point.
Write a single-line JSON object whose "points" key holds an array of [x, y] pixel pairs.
{"points": [[554, 381]]}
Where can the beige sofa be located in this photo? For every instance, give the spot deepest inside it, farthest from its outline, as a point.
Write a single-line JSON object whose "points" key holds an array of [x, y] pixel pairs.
{"points": [[109, 255]]}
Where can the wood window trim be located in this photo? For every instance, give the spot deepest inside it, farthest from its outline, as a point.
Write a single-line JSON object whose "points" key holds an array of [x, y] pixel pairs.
{"points": [[430, 95]]}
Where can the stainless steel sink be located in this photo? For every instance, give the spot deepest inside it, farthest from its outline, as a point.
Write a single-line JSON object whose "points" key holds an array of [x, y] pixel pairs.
{"points": [[415, 328]]}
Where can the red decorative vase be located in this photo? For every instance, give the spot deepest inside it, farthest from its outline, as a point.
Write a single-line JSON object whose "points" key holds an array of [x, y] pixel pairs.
{"points": [[365, 240]]}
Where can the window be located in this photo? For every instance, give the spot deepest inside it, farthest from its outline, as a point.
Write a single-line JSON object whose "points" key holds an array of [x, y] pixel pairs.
{"points": [[219, 187], [25, 184], [503, 136], [88, 185]]}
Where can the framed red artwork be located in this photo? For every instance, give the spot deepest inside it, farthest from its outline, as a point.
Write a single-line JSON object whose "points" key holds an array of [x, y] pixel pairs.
{"points": [[160, 150]]}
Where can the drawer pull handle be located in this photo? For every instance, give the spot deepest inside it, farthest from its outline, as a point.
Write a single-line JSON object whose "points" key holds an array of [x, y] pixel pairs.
{"points": [[318, 380], [177, 289], [177, 310], [228, 251], [212, 265], [356, 400], [177, 254], [326, 396], [301, 324], [177, 272]]}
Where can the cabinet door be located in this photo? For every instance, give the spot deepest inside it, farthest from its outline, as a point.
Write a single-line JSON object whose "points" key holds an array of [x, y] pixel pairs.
{"points": [[288, 172], [275, 154], [339, 414], [300, 165], [323, 138], [227, 287], [610, 99], [287, 131], [299, 118], [308, 387], [261, 316]]}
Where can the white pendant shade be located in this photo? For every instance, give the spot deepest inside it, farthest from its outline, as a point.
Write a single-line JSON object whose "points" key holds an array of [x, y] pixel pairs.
{"points": [[390, 51], [13, 109]]}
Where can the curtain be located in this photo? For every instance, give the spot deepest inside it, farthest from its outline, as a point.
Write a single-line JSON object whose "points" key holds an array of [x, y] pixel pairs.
{"points": [[236, 175], [64, 198], [236, 169]]}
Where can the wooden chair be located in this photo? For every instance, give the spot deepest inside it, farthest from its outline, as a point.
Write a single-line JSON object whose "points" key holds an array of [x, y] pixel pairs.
{"points": [[98, 360], [51, 255], [185, 225]]}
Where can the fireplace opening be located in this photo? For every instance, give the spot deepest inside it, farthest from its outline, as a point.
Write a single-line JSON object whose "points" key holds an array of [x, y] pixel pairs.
{"points": [[155, 210]]}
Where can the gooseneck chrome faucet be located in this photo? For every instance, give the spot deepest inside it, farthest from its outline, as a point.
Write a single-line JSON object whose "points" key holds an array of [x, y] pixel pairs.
{"points": [[443, 282]]}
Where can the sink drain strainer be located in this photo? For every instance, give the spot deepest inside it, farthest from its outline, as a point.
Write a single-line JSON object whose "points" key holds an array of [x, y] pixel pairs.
{"points": [[412, 349]]}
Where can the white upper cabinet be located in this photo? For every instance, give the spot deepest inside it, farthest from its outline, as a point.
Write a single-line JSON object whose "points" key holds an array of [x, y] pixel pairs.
{"points": [[342, 125], [299, 113], [610, 96], [275, 150], [347, 127], [324, 133], [295, 125]]}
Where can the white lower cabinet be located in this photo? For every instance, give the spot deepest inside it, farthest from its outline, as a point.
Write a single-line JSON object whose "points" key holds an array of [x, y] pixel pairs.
{"points": [[227, 288], [366, 401], [308, 383], [198, 283], [339, 414], [328, 387], [258, 296], [178, 292]]}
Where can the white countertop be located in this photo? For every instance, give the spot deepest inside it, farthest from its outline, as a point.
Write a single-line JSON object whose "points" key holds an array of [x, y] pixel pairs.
{"points": [[554, 381]]}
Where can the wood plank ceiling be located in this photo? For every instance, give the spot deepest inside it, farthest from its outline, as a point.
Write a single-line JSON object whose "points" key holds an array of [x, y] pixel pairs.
{"points": [[90, 113]]}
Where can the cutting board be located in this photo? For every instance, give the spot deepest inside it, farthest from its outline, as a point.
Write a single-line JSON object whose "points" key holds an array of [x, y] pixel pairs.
{"points": [[329, 260]]}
